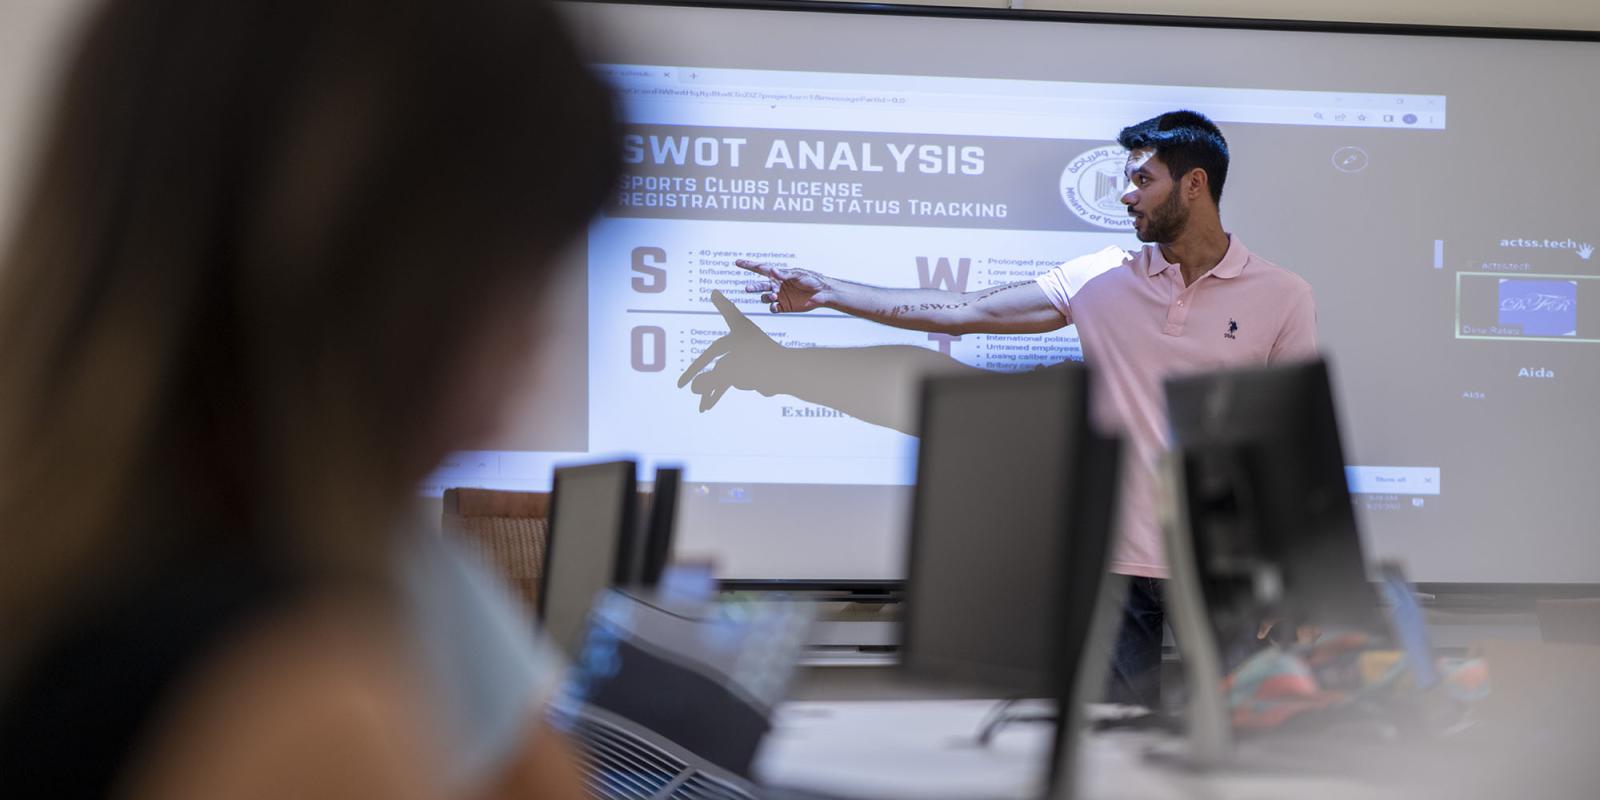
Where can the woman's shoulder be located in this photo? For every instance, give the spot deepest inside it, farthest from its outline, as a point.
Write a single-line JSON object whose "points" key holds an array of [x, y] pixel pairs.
{"points": [[195, 680], [318, 699]]}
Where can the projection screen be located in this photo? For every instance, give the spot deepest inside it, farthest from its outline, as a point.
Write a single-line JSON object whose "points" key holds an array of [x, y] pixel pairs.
{"points": [[1438, 192]]}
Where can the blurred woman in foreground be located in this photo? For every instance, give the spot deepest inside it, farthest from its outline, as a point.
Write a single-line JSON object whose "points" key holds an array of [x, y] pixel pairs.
{"points": [[279, 257]]}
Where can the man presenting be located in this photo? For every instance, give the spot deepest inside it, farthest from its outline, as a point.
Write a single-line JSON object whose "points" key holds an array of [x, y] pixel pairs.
{"points": [[1194, 299]]}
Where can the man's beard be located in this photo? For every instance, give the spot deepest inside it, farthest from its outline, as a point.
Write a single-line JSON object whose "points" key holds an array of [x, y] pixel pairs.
{"points": [[1165, 222]]}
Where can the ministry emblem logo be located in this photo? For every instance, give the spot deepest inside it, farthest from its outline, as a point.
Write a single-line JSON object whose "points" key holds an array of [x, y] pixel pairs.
{"points": [[1092, 186]]}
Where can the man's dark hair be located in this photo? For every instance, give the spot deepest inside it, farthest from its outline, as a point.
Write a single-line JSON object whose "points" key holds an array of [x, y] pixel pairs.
{"points": [[1183, 140]]}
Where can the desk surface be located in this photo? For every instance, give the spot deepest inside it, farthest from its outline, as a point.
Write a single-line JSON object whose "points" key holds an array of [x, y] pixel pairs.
{"points": [[926, 749]]}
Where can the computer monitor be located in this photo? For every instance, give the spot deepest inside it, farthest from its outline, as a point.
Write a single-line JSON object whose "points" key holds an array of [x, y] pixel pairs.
{"points": [[1009, 529], [1260, 526], [656, 549], [1266, 496], [590, 547]]}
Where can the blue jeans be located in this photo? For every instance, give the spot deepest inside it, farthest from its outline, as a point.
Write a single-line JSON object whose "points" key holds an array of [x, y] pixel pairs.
{"points": [[1136, 655]]}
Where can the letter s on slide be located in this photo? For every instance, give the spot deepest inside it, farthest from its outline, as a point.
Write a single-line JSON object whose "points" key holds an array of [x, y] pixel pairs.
{"points": [[651, 278], [972, 160]]}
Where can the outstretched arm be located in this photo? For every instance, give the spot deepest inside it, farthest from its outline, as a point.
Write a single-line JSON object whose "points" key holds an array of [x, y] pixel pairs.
{"points": [[1013, 308]]}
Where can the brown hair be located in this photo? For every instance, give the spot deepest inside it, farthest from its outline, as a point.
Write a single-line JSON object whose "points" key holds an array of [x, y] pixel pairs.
{"points": [[261, 234]]}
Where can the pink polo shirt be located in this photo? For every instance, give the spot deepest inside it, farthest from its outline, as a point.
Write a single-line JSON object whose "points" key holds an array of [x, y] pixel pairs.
{"points": [[1140, 325]]}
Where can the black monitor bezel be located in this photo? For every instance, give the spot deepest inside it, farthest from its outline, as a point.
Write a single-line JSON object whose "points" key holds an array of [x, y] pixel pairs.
{"points": [[626, 536], [1324, 561], [660, 522], [1070, 508]]}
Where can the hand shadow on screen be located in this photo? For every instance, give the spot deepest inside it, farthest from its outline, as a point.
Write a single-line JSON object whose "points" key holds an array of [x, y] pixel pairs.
{"points": [[874, 384]]}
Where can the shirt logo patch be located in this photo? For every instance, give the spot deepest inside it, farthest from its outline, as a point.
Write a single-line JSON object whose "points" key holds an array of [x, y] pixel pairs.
{"points": [[1233, 327]]}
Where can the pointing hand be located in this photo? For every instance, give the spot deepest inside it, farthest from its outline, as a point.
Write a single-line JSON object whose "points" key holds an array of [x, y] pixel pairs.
{"points": [[788, 290]]}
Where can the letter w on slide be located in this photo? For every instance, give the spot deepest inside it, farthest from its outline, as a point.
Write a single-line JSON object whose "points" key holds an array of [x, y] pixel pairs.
{"points": [[938, 276]]}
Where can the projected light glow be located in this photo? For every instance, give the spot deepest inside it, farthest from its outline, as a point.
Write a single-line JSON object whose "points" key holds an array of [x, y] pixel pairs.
{"points": [[1452, 286]]}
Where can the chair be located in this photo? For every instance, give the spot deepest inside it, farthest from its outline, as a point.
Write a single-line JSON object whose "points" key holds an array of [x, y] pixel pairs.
{"points": [[509, 530]]}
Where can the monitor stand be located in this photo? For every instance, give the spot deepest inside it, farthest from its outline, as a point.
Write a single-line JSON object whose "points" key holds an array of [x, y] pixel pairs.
{"points": [[1209, 743], [1090, 683]]}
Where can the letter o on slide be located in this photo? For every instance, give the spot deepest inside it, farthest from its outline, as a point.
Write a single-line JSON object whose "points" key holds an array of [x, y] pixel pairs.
{"points": [[706, 152], [649, 348]]}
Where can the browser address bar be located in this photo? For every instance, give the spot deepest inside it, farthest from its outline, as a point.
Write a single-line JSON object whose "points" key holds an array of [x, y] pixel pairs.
{"points": [[754, 95], [1220, 105]]}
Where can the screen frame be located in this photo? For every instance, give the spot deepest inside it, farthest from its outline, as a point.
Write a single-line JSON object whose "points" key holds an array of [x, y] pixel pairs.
{"points": [[659, 526], [1239, 414], [891, 590], [1067, 509], [627, 535], [1120, 18]]}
